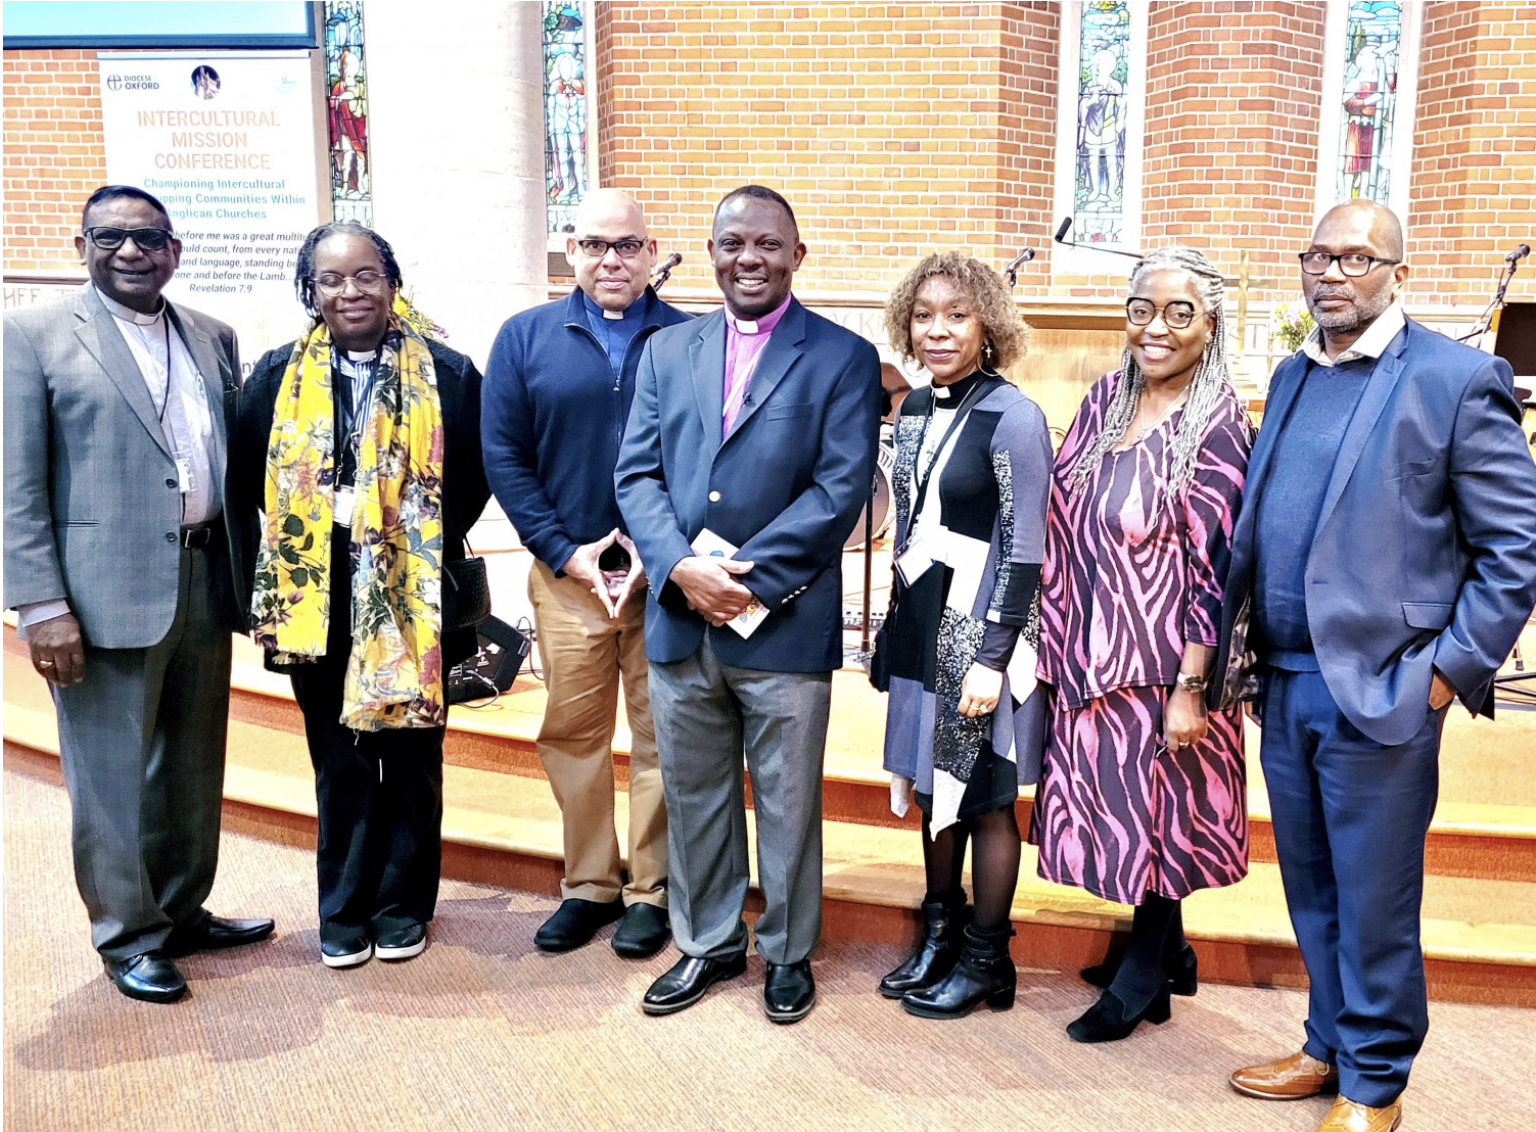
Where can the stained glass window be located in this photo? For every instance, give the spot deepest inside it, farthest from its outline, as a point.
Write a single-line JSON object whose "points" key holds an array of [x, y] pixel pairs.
{"points": [[347, 101], [1374, 32], [1103, 112], [565, 111]]}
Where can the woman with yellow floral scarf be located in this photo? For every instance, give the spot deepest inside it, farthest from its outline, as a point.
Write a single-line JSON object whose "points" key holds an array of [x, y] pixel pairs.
{"points": [[355, 471]]}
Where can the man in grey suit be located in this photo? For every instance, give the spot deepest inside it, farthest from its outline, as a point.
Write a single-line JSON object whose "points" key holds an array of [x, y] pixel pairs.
{"points": [[118, 563], [753, 429]]}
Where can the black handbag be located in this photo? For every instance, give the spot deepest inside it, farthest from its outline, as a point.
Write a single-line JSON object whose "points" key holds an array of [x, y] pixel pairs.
{"points": [[466, 594]]}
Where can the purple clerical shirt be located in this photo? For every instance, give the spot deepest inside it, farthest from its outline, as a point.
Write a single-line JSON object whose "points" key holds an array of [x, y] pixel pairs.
{"points": [[744, 342]]}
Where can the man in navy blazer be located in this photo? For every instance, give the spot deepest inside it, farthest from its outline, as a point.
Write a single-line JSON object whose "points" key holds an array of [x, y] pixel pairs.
{"points": [[753, 430], [1383, 565]]}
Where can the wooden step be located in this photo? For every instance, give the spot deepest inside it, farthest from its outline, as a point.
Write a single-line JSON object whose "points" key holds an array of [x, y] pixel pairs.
{"points": [[1479, 935]]}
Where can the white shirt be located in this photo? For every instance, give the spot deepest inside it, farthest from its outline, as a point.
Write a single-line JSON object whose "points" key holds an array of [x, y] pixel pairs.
{"points": [[1377, 337], [177, 393]]}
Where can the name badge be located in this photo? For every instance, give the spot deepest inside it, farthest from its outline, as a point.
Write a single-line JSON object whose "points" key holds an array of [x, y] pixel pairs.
{"points": [[184, 479], [914, 559], [345, 497]]}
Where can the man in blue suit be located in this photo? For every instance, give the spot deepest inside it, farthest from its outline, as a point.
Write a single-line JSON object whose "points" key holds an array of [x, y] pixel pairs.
{"points": [[748, 454], [1383, 565]]}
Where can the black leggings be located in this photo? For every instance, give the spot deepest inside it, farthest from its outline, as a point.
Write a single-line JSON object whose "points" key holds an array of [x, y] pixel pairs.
{"points": [[995, 853]]}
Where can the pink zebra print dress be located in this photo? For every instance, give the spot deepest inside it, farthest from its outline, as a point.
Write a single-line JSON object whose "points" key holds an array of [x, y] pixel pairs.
{"points": [[1127, 581]]}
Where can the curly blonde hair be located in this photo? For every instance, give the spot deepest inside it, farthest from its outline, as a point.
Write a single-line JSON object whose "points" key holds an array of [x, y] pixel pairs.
{"points": [[984, 288]]}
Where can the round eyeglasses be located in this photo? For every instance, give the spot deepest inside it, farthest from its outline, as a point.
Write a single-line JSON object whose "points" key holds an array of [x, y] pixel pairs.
{"points": [[1353, 264], [368, 282], [1176, 315]]}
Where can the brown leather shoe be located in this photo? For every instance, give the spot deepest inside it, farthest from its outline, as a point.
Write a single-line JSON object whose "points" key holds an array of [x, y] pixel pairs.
{"points": [[1348, 1116], [1287, 1079]]}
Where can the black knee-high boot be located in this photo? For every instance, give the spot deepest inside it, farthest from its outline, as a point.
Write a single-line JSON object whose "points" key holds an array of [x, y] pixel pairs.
{"points": [[1180, 963]]}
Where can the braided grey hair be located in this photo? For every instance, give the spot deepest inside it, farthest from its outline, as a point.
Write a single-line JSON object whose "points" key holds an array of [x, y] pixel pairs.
{"points": [[1211, 375]]}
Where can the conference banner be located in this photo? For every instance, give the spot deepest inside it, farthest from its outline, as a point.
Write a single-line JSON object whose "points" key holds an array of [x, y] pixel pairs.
{"points": [[227, 141]]}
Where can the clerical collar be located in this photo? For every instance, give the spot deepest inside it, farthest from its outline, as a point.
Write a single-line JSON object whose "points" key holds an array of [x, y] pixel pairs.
{"points": [[361, 355], [764, 325], [634, 310], [956, 391], [128, 314]]}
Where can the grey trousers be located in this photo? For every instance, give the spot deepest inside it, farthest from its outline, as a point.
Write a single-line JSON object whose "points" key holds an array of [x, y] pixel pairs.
{"points": [[706, 714], [142, 742]]}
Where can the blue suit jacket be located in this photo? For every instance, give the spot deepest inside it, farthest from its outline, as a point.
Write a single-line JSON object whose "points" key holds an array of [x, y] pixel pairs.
{"points": [[1424, 555], [785, 486]]}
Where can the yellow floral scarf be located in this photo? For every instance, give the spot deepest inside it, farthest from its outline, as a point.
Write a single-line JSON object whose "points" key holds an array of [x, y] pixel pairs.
{"points": [[395, 671]]}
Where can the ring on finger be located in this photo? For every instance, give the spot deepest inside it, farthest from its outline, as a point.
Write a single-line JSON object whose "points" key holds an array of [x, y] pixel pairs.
{"points": [[45, 664]]}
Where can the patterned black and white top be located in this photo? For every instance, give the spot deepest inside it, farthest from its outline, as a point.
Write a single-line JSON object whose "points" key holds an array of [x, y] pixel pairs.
{"points": [[982, 520]]}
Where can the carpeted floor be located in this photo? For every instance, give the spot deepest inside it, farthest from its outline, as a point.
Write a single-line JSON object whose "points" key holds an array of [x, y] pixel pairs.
{"points": [[484, 1032]]}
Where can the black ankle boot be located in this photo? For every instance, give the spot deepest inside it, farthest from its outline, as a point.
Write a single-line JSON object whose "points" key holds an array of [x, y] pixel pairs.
{"points": [[985, 973], [937, 952], [1182, 969], [1110, 1020]]}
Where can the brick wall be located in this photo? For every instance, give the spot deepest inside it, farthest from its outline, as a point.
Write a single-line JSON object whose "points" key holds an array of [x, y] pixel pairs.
{"points": [[54, 157], [1230, 161], [1474, 150], [881, 123]]}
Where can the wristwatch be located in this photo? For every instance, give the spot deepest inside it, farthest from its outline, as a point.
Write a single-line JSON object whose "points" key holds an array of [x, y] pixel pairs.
{"points": [[1191, 682]]}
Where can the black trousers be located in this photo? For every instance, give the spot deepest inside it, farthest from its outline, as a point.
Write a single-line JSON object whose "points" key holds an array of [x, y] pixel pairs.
{"points": [[379, 795]]}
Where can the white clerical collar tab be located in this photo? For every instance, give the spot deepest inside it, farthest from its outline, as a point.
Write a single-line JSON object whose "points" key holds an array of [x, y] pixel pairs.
{"points": [[743, 326], [362, 355], [617, 316], [941, 392]]}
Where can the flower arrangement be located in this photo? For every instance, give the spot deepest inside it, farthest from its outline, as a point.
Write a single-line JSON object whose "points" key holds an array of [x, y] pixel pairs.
{"points": [[1290, 325], [406, 308]]}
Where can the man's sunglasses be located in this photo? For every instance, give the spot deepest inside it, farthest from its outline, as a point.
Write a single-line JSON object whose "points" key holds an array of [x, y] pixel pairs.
{"points": [[145, 239]]}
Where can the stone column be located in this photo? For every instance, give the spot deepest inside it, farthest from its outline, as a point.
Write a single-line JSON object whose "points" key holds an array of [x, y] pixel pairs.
{"points": [[456, 130]]}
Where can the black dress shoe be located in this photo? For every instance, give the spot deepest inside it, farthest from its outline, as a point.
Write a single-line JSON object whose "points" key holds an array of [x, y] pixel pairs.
{"points": [[150, 977], [212, 933], [790, 991], [575, 922], [642, 932], [687, 981], [1182, 969], [1110, 1019], [405, 943]]}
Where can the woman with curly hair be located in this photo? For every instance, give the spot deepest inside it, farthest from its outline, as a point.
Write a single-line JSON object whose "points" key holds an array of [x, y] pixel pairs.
{"points": [[1142, 795], [355, 472], [957, 652]]}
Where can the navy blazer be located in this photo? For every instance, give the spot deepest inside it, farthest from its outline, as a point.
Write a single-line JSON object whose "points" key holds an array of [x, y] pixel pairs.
{"points": [[786, 485], [1424, 555]]}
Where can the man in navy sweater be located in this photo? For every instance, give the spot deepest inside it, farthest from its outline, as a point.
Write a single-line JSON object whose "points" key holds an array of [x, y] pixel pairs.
{"points": [[554, 401], [1386, 552]]}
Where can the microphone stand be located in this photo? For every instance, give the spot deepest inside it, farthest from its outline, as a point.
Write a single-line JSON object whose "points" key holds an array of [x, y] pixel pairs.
{"points": [[1485, 320], [659, 280]]}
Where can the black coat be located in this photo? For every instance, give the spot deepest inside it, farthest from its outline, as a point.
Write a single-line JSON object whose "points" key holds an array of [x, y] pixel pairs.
{"points": [[464, 487]]}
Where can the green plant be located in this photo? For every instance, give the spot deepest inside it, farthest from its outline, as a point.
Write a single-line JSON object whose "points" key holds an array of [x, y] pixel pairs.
{"points": [[1290, 325]]}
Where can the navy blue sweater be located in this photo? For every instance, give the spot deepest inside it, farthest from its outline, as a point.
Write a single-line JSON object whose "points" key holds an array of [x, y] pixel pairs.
{"points": [[1291, 502], [552, 416]]}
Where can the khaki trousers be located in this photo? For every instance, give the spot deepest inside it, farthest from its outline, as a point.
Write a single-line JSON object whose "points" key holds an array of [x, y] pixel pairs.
{"points": [[585, 653]]}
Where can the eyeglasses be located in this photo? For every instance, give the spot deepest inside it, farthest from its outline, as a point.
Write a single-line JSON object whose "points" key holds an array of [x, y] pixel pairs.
{"points": [[368, 282], [1176, 315], [145, 239], [596, 249], [1353, 264]]}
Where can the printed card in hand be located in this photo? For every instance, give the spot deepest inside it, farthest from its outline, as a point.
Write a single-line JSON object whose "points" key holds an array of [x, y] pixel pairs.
{"points": [[711, 545]]}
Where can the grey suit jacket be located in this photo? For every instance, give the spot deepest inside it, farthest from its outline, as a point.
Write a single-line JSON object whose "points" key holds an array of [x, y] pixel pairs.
{"points": [[92, 507]]}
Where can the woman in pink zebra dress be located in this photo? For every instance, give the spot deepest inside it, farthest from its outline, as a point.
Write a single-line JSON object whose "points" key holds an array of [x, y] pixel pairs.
{"points": [[1142, 793]]}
